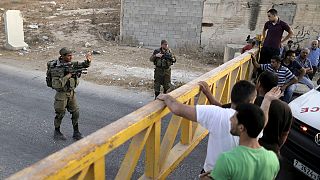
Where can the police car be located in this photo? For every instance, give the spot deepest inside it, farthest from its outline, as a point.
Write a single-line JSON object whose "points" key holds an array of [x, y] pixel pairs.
{"points": [[303, 143]]}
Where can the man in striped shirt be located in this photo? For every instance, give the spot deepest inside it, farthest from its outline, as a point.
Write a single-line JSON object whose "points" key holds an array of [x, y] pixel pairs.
{"points": [[286, 79]]}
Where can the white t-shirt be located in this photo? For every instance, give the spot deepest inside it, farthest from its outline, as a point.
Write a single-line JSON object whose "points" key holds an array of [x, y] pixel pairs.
{"points": [[217, 120]]}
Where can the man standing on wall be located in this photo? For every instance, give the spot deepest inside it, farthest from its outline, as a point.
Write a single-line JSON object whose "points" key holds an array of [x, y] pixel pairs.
{"points": [[273, 39], [162, 58]]}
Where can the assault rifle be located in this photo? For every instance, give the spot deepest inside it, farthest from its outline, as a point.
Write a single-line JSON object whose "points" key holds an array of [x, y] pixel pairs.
{"points": [[75, 71]]}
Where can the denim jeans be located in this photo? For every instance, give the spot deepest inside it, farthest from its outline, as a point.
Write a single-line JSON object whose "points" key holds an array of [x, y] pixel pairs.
{"points": [[307, 81], [288, 93]]}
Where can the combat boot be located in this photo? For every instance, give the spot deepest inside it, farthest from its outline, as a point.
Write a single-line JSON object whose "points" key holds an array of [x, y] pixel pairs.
{"points": [[58, 135], [77, 135]]}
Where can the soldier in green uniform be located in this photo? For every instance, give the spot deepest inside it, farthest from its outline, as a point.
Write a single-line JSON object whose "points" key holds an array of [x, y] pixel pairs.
{"points": [[64, 80], [162, 58]]}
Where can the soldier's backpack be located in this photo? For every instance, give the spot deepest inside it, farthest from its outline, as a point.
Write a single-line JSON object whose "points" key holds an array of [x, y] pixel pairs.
{"points": [[50, 65]]}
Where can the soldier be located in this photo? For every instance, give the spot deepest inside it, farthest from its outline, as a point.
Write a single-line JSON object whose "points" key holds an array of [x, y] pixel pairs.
{"points": [[162, 58], [64, 80]]}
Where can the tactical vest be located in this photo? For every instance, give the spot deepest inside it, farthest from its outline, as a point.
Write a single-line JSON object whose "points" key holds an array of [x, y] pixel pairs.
{"points": [[163, 62], [55, 73]]}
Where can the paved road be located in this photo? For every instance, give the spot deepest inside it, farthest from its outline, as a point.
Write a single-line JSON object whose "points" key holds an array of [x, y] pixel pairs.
{"points": [[26, 115], [26, 118]]}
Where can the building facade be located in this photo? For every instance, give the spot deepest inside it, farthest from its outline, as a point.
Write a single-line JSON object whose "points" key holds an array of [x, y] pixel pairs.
{"points": [[212, 24]]}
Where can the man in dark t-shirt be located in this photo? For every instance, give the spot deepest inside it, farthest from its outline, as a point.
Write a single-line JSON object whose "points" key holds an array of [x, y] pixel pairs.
{"points": [[290, 62], [292, 65], [273, 39]]}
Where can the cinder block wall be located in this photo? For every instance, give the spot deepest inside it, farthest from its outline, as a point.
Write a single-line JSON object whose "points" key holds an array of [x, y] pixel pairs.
{"points": [[150, 21], [233, 20], [228, 21]]}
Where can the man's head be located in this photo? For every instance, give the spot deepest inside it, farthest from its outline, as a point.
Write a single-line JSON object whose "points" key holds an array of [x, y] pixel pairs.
{"points": [[290, 55], [290, 43], [272, 15], [304, 53], [266, 81], [66, 54], [249, 119], [243, 92], [314, 44], [275, 62], [164, 44]]}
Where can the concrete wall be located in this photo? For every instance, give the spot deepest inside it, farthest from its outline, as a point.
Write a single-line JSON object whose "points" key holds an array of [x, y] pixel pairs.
{"points": [[233, 20], [150, 21], [224, 21]]}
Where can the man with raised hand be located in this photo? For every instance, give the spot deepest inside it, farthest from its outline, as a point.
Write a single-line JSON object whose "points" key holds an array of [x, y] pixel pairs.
{"points": [[217, 119]]}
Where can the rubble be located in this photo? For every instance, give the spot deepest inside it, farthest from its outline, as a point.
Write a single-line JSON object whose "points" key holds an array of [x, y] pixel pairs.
{"points": [[33, 26], [69, 25]]}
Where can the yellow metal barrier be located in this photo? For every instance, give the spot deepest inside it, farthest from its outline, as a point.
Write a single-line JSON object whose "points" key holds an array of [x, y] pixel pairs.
{"points": [[85, 159]]}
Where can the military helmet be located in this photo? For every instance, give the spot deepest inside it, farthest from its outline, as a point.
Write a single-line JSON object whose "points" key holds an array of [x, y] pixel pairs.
{"points": [[64, 51]]}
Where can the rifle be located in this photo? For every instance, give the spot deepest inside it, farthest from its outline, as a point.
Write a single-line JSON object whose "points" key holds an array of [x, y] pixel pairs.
{"points": [[75, 71]]}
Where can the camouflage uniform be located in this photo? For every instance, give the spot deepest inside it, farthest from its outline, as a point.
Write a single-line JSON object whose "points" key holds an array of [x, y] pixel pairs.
{"points": [[65, 97], [162, 70]]}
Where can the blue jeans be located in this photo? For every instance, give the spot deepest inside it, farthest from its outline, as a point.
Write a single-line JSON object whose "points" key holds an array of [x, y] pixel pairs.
{"points": [[288, 93], [307, 82]]}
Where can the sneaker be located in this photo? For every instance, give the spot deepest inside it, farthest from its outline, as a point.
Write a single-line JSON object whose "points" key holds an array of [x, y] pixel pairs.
{"points": [[59, 136], [77, 136]]}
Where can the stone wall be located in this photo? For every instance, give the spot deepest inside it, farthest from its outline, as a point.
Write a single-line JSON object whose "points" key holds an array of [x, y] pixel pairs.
{"points": [[150, 21]]}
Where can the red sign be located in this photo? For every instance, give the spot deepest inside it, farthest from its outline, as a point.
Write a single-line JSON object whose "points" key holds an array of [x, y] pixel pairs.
{"points": [[308, 109]]}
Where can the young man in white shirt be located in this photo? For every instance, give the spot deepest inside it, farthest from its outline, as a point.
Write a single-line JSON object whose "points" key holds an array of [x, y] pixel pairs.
{"points": [[217, 119]]}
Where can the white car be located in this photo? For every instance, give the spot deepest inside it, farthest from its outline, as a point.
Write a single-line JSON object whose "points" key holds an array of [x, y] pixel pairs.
{"points": [[303, 143]]}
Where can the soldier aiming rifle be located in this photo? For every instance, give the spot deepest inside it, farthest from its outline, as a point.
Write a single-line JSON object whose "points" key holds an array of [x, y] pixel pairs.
{"points": [[63, 76]]}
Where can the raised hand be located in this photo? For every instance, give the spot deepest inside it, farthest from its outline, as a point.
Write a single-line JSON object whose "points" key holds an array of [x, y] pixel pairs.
{"points": [[274, 93], [89, 56]]}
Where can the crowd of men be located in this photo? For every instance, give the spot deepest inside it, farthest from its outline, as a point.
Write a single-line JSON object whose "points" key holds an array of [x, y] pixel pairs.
{"points": [[245, 137]]}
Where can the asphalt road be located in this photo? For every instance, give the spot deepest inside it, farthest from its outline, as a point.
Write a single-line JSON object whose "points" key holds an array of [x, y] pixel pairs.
{"points": [[26, 115], [26, 123]]}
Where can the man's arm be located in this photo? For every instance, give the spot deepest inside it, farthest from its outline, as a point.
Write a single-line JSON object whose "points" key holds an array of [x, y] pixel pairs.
{"points": [[152, 58], [254, 62], [174, 59], [290, 34], [179, 109], [86, 63], [283, 138], [263, 33], [204, 87], [205, 176], [292, 81], [309, 70], [273, 94], [156, 54], [302, 72]]}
